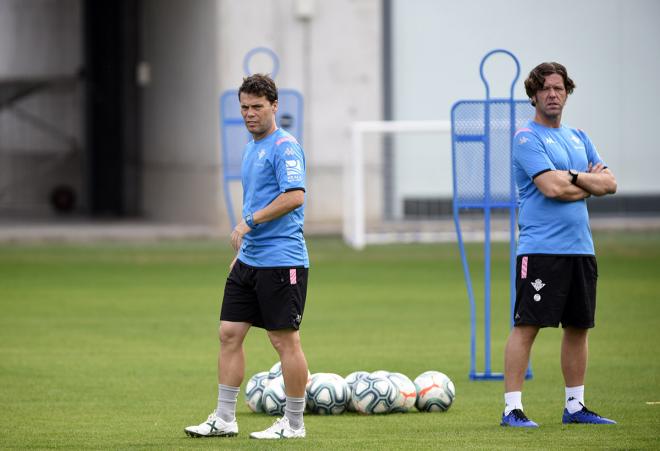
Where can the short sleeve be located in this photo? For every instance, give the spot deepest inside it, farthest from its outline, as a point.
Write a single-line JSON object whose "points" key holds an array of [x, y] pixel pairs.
{"points": [[529, 154], [289, 162], [593, 156]]}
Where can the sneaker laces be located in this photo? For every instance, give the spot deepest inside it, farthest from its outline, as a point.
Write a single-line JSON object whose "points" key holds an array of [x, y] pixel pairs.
{"points": [[519, 415], [587, 411]]}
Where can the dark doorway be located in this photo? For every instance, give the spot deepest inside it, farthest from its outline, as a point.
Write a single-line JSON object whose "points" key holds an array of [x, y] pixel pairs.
{"points": [[111, 51]]}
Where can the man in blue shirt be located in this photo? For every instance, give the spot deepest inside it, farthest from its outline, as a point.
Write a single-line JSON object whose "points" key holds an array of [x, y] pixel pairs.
{"points": [[267, 284], [556, 169]]}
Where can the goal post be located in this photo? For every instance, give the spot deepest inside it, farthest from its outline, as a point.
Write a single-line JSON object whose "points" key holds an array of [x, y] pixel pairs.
{"points": [[354, 230]]}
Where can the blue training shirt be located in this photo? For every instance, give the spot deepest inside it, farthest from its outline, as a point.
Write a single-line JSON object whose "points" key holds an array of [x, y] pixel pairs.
{"points": [[270, 167], [549, 226]]}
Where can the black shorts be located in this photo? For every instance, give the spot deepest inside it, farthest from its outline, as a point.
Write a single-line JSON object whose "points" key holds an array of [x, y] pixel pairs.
{"points": [[270, 298], [553, 289]]}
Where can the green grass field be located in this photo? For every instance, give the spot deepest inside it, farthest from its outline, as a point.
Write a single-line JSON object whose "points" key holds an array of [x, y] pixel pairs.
{"points": [[113, 346]]}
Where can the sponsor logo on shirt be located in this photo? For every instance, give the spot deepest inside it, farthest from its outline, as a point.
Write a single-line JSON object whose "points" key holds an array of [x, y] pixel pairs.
{"points": [[286, 139], [293, 170], [289, 151], [523, 140], [261, 153]]}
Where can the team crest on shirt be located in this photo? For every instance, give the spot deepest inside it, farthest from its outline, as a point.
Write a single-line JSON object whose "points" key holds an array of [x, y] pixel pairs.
{"points": [[538, 284], [577, 142]]}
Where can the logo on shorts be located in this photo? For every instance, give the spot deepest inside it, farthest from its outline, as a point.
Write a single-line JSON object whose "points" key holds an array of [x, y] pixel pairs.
{"points": [[298, 319], [537, 284]]}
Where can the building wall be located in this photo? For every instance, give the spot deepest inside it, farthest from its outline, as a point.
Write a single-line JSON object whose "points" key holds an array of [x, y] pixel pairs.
{"points": [[611, 49], [179, 112], [40, 42], [332, 53], [196, 52]]}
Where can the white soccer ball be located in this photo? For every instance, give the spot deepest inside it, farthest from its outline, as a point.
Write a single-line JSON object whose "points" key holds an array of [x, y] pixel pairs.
{"points": [[327, 394], [374, 394], [407, 392], [435, 392], [254, 390], [275, 371], [351, 379], [274, 397]]}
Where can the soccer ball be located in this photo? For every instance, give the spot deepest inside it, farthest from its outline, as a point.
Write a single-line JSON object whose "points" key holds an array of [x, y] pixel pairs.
{"points": [[275, 371], [351, 379], [274, 397], [407, 392], [380, 373], [254, 390], [327, 394], [435, 392], [374, 394]]}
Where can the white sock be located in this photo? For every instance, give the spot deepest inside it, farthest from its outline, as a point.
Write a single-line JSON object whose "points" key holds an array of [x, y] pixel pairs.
{"points": [[293, 410], [574, 398], [512, 400], [227, 396]]}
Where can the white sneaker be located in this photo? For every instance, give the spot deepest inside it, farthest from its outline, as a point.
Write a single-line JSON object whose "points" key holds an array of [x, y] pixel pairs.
{"points": [[280, 429], [214, 426]]}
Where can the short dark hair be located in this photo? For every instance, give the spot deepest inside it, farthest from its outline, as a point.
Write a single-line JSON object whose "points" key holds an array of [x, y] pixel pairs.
{"points": [[536, 79], [260, 85]]}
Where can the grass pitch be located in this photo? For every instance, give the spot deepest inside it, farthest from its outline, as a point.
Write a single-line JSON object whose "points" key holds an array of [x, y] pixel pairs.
{"points": [[111, 346]]}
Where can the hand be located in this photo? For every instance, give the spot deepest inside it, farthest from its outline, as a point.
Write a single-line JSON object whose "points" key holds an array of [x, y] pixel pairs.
{"points": [[594, 169], [238, 233]]}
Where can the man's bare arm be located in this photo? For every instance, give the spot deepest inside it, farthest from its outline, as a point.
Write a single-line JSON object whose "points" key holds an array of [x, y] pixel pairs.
{"points": [[557, 185], [599, 180], [281, 205]]}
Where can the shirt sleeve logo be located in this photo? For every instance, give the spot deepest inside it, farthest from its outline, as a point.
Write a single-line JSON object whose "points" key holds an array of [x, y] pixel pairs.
{"points": [[294, 170]]}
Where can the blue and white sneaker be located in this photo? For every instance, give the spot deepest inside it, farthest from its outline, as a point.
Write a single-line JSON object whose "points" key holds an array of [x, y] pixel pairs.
{"points": [[584, 416], [517, 419]]}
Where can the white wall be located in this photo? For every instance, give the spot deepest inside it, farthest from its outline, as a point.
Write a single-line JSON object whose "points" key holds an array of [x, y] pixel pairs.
{"points": [[611, 49]]}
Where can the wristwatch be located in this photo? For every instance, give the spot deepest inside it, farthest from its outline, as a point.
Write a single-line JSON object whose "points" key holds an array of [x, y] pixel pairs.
{"points": [[574, 175], [249, 220]]}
